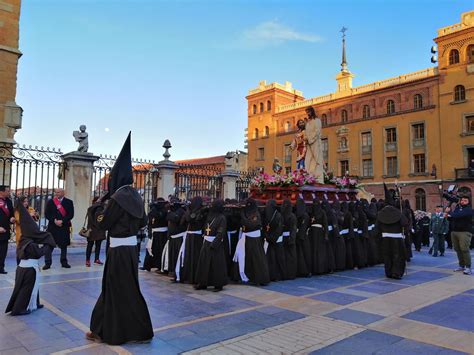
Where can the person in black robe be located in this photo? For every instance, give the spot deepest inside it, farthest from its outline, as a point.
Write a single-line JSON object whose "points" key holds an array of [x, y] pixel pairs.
{"points": [[176, 231], [31, 247], [347, 230], [425, 238], [289, 240], [409, 229], [250, 260], [357, 253], [331, 235], [319, 232], [370, 211], [194, 217], [303, 246], [6, 220], [335, 215], [232, 214], [274, 237], [121, 313], [157, 235], [212, 266], [390, 222], [59, 212]]}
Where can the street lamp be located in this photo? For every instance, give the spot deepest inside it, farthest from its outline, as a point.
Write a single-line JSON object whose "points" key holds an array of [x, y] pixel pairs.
{"points": [[440, 189]]}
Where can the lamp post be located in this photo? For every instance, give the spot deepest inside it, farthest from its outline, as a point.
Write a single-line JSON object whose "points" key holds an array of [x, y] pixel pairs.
{"points": [[440, 189]]}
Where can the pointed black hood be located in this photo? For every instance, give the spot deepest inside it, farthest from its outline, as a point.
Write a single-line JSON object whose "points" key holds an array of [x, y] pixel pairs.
{"points": [[389, 198], [121, 173]]}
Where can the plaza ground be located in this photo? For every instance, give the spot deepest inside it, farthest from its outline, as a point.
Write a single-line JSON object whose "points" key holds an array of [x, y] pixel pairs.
{"points": [[429, 311]]}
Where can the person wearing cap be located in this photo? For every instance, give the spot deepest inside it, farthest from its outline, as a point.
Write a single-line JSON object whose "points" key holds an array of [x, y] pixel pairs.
{"points": [[6, 220], [461, 232], [439, 227]]}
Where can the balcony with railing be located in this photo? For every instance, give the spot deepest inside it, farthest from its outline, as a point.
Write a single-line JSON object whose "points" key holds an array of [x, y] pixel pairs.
{"points": [[464, 174], [391, 146], [366, 149], [418, 143]]}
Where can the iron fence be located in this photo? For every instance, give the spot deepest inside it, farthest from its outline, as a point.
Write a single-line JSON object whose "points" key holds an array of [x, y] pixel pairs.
{"points": [[198, 180], [242, 186]]}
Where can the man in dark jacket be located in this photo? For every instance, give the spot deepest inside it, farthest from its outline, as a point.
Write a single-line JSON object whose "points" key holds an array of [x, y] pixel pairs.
{"points": [[6, 219], [461, 232], [59, 212]]}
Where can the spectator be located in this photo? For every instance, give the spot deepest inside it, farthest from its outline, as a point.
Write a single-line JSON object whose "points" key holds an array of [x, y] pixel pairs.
{"points": [[96, 235], [461, 232], [6, 219], [439, 227]]}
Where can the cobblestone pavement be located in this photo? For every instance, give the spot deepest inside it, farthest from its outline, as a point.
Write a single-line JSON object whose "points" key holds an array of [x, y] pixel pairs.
{"points": [[361, 312]]}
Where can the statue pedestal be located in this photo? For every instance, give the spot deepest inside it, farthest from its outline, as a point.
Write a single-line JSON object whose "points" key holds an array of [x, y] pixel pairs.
{"points": [[78, 184], [166, 180], [229, 181]]}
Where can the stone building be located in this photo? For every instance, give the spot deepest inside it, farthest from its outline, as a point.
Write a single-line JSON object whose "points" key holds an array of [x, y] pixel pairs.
{"points": [[10, 112], [417, 128]]}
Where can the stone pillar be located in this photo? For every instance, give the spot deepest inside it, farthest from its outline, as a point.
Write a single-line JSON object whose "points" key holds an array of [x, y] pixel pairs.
{"points": [[229, 182], [78, 184], [167, 170]]}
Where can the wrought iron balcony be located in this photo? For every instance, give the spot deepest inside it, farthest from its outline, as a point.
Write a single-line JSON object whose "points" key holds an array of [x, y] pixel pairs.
{"points": [[418, 143], [391, 147], [464, 174], [366, 149]]}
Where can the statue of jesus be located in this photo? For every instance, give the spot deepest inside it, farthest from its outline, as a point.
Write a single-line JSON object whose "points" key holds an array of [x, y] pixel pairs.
{"points": [[314, 161]]}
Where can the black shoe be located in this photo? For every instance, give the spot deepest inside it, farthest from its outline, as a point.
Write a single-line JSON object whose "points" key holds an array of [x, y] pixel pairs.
{"points": [[40, 306], [396, 277], [199, 287], [46, 267], [23, 313], [144, 269], [66, 266], [430, 251], [217, 289], [3, 272], [435, 255]]}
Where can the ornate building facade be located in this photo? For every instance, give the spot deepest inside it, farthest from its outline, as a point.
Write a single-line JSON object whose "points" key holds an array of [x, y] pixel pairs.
{"points": [[10, 112], [417, 128]]}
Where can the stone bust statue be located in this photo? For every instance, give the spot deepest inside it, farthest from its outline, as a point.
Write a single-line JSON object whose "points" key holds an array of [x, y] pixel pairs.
{"points": [[81, 136]]}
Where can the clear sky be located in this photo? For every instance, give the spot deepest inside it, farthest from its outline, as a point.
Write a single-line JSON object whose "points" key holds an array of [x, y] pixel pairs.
{"points": [[180, 70]]}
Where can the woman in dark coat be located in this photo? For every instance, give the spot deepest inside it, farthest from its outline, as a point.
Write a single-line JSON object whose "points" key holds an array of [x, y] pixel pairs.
{"points": [[274, 237], [250, 260], [319, 232], [347, 230], [303, 246], [289, 240], [96, 235], [212, 266], [339, 248]]}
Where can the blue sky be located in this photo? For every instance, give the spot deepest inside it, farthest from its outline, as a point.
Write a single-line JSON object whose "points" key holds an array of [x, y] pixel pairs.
{"points": [[181, 69]]}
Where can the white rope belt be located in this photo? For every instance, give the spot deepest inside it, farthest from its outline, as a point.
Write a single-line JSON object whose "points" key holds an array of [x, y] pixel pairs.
{"points": [[317, 225], [229, 234], [179, 235], [286, 234], [29, 263], [344, 231], [239, 256], [209, 238], [159, 229], [280, 239], [372, 226], [393, 235], [33, 263], [120, 242], [194, 232], [330, 228]]}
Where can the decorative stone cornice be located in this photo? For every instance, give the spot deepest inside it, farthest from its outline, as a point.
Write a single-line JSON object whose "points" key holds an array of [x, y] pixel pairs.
{"points": [[11, 50]]}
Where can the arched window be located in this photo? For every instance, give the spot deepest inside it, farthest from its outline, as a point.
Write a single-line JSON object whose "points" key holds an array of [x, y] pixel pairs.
{"points": [[366, 111], [390, 107], [453, 56], [470, 53], [287, 126], [420, 199], [464, 190], [417, 101], [255, 133], [269, 105], [261, 106], [343, 143], [459, 93], [267, 131], [254, 110], [344, 116], [324, 120]]}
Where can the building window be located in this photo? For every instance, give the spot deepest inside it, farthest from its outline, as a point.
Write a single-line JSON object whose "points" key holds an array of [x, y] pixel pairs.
{"points": [[453, 57], [459, 93], [392, 169], [391, 134], [325, 148], [287, 153], [261, 106], [419, 163], [367, 167], [343, 143], [254, 109], [417, 101], [366, 139], [420, 199], [344, 164], [255, 133], [269, 105], [287, 126], [261, 153], [418, 131], [470, 124], [324, 120], [470, 53], [267, 131], [366, 111], [390, 107], [288, 170], [344, 116]]}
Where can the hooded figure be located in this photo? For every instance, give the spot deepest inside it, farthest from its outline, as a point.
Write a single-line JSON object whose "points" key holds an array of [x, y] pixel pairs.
{"points": [[121, 313], [274, 237], [347, 231], [176, 233], [370, 211], [320, 246], [289, 240], [158, 235], [194, 218], [25, 296], [232, 214], [250, 260], [303, 246], [212, 264], [357, 247], [336, 249], [390, 223], [409, 230]]}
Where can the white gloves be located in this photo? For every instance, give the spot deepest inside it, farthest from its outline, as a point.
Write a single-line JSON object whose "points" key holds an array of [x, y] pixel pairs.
{"points": [[148, 246]]}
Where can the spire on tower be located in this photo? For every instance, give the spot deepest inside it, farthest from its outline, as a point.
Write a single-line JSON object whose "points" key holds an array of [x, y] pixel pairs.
{"points": [[344, 62]]}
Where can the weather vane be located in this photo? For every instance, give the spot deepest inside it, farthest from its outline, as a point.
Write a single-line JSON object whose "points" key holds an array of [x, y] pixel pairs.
{"points": [[343, 30]]}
